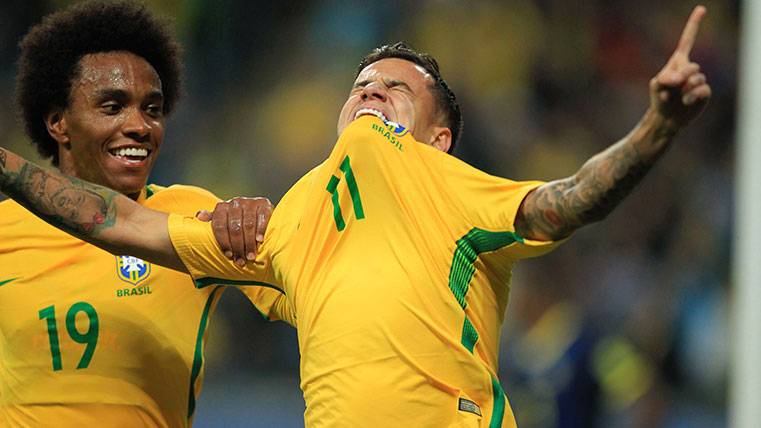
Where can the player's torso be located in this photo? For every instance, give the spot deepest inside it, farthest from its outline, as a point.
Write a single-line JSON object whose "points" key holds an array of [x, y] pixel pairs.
{"points": [[368, 269], [88, 337]]}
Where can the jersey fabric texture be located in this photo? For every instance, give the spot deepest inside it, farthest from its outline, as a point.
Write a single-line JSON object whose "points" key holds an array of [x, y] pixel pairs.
{"points": [[92, 339], [395, 259]]}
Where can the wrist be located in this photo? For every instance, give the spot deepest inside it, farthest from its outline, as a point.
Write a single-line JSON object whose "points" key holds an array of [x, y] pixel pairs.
{"points": [[652, 135], [659, 126]]}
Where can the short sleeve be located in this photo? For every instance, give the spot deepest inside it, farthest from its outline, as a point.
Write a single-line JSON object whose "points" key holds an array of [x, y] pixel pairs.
{"points": [[488, 206], [198, 249]]}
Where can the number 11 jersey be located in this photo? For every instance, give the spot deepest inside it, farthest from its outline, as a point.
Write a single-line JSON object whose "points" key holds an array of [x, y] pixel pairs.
{"points": [[396, 260]]}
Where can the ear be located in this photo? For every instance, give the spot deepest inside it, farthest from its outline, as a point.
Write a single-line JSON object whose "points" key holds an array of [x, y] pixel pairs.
{"points": [[55, 121], [441, 138]]}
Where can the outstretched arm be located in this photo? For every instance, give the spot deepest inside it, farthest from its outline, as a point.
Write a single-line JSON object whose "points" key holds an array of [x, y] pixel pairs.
{"points": [[678, 93], [90, 212]]}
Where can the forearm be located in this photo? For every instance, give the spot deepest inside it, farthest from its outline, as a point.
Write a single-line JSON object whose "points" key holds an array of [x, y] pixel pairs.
{"points": [[90, 212], [556, 209]]}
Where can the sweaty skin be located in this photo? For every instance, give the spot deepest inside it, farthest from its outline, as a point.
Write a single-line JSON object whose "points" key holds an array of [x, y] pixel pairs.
{"points": [[117, 103]]}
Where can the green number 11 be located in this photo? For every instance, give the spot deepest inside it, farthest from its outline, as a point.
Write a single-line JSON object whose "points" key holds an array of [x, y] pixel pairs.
{"points": [[89, 337], [356, 200]]}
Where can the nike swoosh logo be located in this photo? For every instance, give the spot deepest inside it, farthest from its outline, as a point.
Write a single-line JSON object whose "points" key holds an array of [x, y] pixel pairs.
{"points": [[7, 281]]}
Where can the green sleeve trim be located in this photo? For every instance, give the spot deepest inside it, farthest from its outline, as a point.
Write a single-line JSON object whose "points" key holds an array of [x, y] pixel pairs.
{"points": [[207, 281], [498, 410], [475, 242], [198, 353]]}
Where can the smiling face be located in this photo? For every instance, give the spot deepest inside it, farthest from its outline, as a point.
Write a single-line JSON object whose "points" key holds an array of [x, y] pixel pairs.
{"points": [[400, 91], [111, 131]]}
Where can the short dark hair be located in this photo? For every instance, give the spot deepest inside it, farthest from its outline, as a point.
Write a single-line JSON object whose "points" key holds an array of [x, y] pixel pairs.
{"points": [[445, 99], [51, 52]]}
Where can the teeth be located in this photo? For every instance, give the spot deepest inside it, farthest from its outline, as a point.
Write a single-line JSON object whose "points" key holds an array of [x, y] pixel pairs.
{"points": [[371, 111], [131, 151]]}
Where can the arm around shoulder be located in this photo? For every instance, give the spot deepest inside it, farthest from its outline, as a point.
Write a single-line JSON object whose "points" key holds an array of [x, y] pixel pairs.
{"points": [[96, 214]]}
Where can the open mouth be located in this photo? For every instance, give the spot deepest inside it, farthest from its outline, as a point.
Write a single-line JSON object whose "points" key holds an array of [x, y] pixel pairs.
{"points": [[371, 111], [130, 154]]}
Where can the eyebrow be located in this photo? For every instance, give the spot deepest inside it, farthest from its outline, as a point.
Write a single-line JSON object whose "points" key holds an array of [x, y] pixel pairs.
{"points": [[156, 95], [111, 93], [122, 95], [391, 82], [401, 83]]}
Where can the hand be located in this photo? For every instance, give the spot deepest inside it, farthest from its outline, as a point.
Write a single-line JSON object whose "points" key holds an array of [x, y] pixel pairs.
{"points": [[679, 92], [239, 225]]}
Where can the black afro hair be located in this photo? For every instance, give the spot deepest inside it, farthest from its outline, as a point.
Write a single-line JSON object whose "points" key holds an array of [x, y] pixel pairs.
{"points": [[51, 50]]}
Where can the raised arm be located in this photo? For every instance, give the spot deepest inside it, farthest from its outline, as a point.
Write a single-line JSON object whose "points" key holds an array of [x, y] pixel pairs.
{"points": [[90, 212], [678, 93]]}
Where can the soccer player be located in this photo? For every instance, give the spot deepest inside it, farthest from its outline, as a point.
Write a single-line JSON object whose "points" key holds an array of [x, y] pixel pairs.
{"points": [[394, 256], [88, 338]]}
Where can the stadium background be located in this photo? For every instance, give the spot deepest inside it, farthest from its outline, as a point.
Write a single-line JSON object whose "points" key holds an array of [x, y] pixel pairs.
{"points": [[635, 307]]}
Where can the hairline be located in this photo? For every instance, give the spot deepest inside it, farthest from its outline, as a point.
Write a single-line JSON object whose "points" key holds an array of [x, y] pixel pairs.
{"points": [[439, 112]]}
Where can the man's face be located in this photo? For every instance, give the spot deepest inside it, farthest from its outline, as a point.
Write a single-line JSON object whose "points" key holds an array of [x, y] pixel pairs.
{"points": [[397, 89], [114, 124]]}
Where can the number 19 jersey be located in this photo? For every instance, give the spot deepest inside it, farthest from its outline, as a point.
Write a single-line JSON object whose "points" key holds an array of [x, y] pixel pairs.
{"points": [[396, 260], [91, 339]]}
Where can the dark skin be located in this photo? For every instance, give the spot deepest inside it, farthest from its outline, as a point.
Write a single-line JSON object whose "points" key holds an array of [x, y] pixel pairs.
{"points": [[239, 226], [116, 103], [678, 93]]}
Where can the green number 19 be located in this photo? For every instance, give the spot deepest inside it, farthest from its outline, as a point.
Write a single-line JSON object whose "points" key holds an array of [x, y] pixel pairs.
{"points": [[89, 337]]}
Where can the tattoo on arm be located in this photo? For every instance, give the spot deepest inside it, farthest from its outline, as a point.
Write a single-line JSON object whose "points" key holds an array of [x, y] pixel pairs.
{"points": [[555, 210], [77, 207], [558, 208]]}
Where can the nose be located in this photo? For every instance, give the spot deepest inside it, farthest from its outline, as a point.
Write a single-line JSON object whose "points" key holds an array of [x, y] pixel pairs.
{"points": [[136, 126], [374, 90]]}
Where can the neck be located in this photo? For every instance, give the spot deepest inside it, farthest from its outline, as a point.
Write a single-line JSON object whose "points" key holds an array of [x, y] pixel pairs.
{"points": [[66, 166]]}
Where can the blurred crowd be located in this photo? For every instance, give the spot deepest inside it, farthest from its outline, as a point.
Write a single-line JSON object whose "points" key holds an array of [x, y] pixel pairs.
{"points": [[624, 325]]}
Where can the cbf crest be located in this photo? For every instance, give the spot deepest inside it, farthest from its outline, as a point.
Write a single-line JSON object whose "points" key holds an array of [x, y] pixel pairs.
{"points": [[131, 269], [396, 128]]}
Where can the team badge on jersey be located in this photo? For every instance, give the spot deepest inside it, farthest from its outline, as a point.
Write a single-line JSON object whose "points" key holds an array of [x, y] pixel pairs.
{"points": [[131, 269], [396, 128]]}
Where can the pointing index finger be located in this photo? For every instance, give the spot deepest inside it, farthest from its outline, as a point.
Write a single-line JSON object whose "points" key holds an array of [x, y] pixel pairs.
{"points": [[690, 32]]}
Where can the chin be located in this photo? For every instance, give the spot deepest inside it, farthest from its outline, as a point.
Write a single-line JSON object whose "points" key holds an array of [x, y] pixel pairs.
{"points": [[129, 187]]}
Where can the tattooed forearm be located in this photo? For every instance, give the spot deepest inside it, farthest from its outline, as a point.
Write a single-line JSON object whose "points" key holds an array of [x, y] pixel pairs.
{"points": [[558, 208], [77, 207], [555, 210], [95, 214]]}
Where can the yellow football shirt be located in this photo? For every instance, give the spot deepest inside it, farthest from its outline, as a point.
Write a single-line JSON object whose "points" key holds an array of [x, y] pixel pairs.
{"points": [[396, 260], [91, 339]]}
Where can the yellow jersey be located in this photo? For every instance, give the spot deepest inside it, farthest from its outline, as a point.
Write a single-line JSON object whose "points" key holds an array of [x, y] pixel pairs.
{"points": [[92, 339], [396, 261]]}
